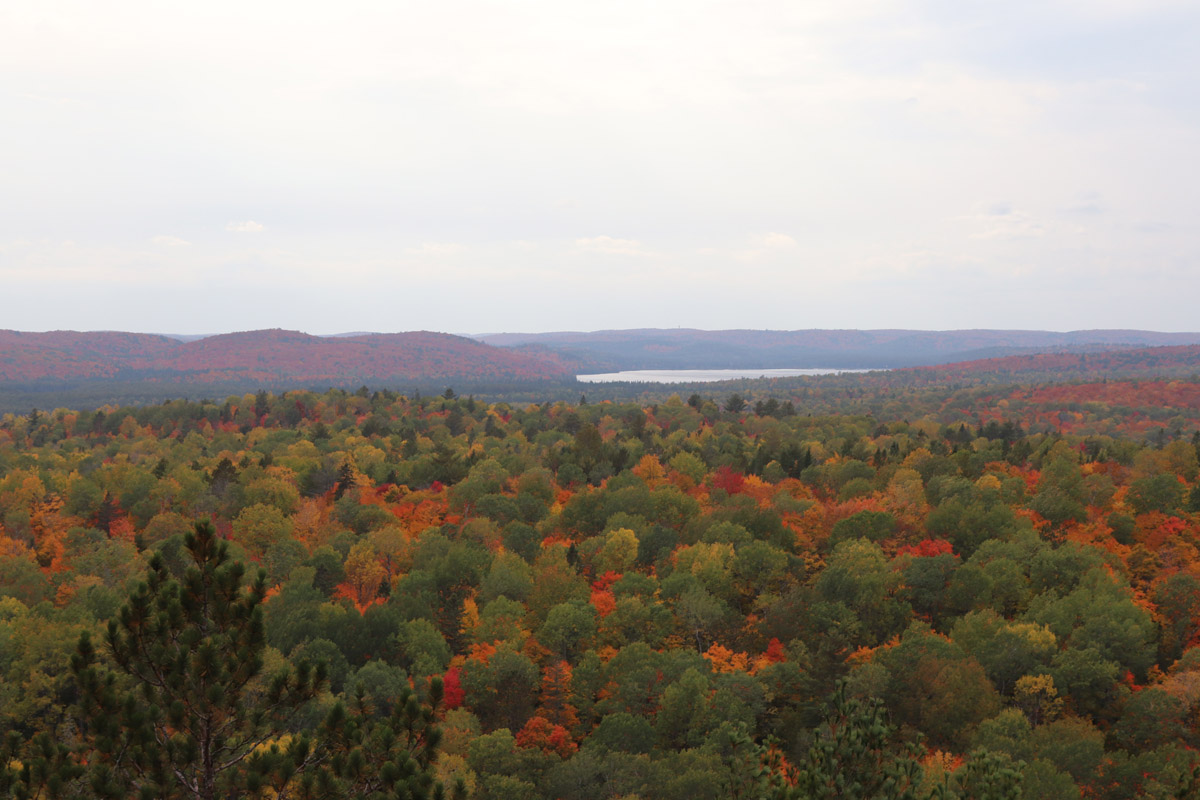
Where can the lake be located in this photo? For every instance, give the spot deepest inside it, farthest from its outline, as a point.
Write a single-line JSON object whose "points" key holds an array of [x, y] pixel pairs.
{"points": [[705, 375]]}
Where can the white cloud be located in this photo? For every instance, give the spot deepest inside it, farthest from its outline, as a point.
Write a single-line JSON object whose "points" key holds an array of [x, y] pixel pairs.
{"points": [[776, 241], [610, 246], [848, 138], [436, 249], [765, 246], [1001, 222], [1013, 225]]}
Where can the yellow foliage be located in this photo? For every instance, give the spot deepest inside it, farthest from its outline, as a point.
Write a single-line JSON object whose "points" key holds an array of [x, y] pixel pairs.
{"points": [[619, 551], [451, 767], [1037, 696], [988, 483], [470, 616], [650, 469]]}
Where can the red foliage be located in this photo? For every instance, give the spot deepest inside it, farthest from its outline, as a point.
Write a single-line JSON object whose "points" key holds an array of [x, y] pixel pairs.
{"points": [[541, 734], [454, 695], [775, 653], [927, 548], [269, 355], [725, 478], [606, 580]]}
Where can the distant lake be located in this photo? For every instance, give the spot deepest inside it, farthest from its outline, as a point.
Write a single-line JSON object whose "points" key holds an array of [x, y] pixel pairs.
{"points": [[705, 375]]}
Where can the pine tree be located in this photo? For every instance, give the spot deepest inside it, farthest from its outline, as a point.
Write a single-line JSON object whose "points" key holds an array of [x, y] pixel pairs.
{"points": [[188, 714], [373, 757], [186, 708]]}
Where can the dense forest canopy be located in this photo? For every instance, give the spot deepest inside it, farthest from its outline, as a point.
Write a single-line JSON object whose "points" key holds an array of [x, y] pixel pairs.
{"points": [[947, 591]]}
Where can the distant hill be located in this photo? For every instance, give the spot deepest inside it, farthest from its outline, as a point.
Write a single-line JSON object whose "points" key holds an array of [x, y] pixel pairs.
{"points": [[1146, 362], [89, 369], [686, 348], [268, 357]]}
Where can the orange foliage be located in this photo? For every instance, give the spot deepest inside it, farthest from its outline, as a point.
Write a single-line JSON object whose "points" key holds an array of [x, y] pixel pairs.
{"points": [[607, 653], [556, 538], [810, 526], [606, 580], [14, 548], [346, 591], [539, 733], [481, 652], [556, 689], [759, 489], [722, 659], [650, 470], [121, 528], [1040, 523], [835, 512], [1155, 529], [603, 601], [419, 512]]}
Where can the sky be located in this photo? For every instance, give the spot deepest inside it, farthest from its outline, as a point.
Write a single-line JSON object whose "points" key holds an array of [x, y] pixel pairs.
{"points": [[472, 167]]}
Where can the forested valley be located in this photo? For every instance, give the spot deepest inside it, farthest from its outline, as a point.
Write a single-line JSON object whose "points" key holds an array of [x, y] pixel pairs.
{"points": [[936, 593]]}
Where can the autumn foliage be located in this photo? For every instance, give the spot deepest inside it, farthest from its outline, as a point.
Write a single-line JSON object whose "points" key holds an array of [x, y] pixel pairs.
{"points": [[1012, 574]]}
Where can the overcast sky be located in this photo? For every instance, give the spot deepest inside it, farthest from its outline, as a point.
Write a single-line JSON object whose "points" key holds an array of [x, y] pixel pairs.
{"points": [[529, 166]]}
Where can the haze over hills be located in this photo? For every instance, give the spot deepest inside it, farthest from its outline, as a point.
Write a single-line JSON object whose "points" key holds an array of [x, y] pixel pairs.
{"points": [[684, 348], [272, 356], [267, 356], [94, 368]]}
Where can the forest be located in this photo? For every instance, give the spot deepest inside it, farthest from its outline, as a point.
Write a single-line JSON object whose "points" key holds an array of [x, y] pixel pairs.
{"points": [[890, 589]]}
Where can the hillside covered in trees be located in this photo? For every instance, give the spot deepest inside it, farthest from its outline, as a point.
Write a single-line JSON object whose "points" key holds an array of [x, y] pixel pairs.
{"points": [[967, 592], [90, 370], [687, 348], [263, 357]]}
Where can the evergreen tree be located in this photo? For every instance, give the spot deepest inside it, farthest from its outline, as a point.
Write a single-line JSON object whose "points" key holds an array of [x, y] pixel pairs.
{"points": [[371, 756], [186, 707]]}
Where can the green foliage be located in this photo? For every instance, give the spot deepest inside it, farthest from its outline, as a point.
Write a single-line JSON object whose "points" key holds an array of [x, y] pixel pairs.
{"points": [[195, 713], [856, 756], [178, 706], [368, 754], [624, 599]]}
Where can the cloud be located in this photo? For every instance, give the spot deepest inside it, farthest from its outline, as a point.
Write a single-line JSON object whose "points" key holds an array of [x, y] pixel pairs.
{"points": [[435, 249], [611, 246], [766, 245], [776, 241], [170, 241], [1001, 221], [249, 226]]}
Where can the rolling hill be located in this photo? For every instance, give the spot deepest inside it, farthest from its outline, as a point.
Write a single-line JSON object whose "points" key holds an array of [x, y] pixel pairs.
{"points": [[267, 356], [685, 348]]}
